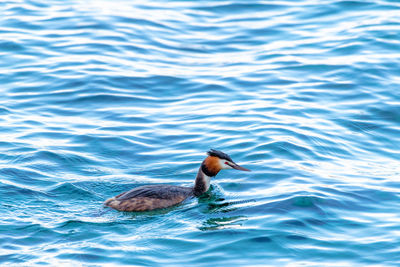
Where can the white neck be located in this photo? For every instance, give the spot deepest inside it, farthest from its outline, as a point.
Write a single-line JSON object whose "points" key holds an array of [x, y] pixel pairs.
{"points": [[202, 183], [206, 180]]}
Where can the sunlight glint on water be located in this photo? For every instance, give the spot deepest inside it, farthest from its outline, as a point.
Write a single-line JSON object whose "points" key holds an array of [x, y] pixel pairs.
{"points": [[100, 97]]}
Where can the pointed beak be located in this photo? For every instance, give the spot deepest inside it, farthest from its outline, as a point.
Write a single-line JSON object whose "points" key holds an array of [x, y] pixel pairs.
{"points": [[237, 167]]}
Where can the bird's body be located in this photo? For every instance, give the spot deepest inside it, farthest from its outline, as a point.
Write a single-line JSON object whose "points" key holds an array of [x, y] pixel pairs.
{"points": [[151, 197]]}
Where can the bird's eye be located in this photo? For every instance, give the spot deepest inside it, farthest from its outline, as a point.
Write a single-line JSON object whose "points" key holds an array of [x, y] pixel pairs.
{"points": [[226, 162]]}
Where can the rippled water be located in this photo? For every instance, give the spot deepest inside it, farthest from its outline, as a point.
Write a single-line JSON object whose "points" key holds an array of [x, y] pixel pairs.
{"points": [[102, 96]]}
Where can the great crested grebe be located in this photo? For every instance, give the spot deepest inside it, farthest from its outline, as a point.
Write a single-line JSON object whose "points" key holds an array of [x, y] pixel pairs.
{"points": [[151, 197]]}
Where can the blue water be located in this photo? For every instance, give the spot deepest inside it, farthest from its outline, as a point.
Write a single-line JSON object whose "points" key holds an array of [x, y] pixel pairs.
{"points": [[99, 97]]}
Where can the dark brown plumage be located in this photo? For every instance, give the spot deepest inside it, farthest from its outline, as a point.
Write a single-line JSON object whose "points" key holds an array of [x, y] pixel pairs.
{"points": [[151, 197]]}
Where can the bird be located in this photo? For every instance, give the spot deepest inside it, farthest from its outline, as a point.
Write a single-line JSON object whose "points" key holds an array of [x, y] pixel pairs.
{"points": [[152, 197]]}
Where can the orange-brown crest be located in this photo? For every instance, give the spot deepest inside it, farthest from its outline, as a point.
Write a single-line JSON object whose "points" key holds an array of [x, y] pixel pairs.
{"points": [[212, 164]]}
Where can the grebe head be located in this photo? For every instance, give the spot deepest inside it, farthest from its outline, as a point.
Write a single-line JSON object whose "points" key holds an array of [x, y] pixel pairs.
{"points": [[218, 160], [210, 167]]}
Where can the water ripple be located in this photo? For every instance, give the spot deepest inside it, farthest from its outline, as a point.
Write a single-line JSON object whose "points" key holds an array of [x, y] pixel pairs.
{"points": [[100, 97]]}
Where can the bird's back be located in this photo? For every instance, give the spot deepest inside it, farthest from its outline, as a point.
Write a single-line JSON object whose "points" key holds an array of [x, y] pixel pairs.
{"points": [[149, 197]]}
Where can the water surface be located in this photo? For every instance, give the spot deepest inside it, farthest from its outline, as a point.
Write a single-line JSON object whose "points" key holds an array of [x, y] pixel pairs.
{"points": [[99, 97]]}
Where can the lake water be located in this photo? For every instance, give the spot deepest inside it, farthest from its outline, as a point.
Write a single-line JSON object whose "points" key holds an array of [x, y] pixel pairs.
{"points": [[98, 97]]}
